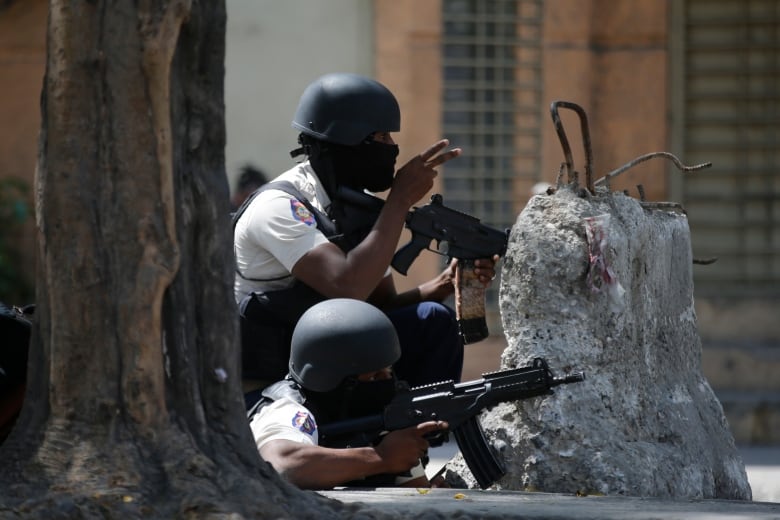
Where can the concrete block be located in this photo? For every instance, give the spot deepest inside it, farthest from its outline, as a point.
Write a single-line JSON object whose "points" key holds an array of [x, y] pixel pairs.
{"points": [[603, 285]]}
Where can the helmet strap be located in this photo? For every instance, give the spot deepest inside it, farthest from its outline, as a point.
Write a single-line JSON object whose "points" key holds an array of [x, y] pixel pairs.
{"points": [[305, 148]]}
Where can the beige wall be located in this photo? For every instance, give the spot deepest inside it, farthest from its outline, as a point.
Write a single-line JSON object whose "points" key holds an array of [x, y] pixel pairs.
{"points": [[273, 50], [610, 58], [607, 56], [407, 39], [22, 65]]}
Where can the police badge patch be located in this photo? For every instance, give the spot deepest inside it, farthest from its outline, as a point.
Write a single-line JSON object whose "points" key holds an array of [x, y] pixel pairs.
{"points": [[299, 212], [304, 422]]}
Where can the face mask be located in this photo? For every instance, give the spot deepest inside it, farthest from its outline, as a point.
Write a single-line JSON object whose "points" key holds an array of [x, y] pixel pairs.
{"points": [[353, 399], [369, 397], [367, 166]]}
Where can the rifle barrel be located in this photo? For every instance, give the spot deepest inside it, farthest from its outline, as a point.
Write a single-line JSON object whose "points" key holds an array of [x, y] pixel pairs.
{"points": [[574, 377]]}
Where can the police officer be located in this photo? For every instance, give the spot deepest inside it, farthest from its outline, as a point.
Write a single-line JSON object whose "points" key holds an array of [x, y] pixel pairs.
{"points": [[339, 368], [286, 248]]}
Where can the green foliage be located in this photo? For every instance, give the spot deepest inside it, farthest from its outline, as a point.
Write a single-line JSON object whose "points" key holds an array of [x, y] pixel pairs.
{"points": [[14, 211]]}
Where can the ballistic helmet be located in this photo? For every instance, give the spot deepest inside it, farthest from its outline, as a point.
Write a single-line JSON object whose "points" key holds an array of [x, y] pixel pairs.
{"points": [[345, 108], [339, 338]]}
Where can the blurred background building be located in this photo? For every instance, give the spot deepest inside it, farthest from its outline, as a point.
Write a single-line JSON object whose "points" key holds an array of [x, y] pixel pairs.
{"points": [[698, 78]]}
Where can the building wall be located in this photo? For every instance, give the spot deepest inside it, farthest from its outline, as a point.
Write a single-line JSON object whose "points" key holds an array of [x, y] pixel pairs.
{"points": [[275, 49], [611, 59], [725, 97], [395, 41], [407, 34], [614, 58], [22, 65]]}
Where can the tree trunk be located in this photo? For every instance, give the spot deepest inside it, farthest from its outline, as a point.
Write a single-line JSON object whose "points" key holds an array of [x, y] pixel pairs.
{"points": [[134, 406]]}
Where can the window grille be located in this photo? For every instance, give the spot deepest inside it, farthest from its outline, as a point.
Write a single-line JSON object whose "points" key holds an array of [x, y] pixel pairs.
{"points": [[492, 106], [729, 114]]}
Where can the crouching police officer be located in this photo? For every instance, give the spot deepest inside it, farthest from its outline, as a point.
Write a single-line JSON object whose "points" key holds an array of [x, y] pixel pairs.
{"points": [[341, 354], [296, 243]]}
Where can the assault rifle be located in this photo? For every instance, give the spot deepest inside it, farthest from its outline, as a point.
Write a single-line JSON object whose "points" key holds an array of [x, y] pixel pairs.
{"points": [[464, 236], [457, 403]]}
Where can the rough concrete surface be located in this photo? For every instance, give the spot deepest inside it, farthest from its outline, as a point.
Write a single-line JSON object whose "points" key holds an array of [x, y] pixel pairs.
{"points": [[763, 468], [453, 503], [603, 285]]}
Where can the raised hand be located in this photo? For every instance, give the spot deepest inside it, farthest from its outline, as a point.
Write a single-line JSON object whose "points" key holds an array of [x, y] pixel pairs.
{"points": [[415, 178]]}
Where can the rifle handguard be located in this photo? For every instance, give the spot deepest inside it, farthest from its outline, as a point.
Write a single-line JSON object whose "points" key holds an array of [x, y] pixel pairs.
{"points": [[470, 303]]}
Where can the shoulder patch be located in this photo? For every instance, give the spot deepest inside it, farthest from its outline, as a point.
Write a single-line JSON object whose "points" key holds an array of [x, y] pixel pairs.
{"points": [[304, 422], [300, 213]]}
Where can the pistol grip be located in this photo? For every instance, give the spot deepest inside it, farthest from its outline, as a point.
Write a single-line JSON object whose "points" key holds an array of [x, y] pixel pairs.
{"points": [[404, 257]]}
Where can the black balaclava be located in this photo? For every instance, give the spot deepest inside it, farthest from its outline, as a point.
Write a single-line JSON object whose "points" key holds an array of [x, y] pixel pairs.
{"points": [[369, 165], [351, 399]]}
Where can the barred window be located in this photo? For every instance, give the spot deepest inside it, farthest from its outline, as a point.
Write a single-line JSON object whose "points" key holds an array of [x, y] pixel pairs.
{"points": [[492, 106], [728, 113]]}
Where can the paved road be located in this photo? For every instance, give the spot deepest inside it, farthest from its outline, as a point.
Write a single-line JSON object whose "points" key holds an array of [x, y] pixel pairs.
{"points": [[763, 469], [471, 504], [761, 463]]}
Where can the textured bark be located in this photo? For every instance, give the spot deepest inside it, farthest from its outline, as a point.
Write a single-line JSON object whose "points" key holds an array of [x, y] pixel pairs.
{"points": [[134, 406]]}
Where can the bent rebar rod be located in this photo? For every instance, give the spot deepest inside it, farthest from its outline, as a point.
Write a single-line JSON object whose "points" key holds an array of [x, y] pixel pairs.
{"points": [[642, 158], [565, 142]]}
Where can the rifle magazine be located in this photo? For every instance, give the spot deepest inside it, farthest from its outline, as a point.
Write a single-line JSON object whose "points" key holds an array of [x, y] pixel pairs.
{"points": [[477, 454]]}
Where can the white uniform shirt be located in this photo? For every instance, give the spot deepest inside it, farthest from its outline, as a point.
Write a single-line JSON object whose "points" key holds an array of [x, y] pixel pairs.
{"points": [[285, 419], [275, 231]]}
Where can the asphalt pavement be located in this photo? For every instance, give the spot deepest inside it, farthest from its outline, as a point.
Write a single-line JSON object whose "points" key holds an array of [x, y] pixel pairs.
{"points": [[762, 465], [488, 505]]}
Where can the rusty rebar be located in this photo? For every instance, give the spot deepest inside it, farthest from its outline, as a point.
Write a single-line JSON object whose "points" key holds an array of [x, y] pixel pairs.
{"points": [[642, 158], [664, 205], [565, 141]]}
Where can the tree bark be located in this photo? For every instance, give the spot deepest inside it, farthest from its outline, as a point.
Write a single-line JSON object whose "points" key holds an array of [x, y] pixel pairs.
{"points": [[134, 406]]}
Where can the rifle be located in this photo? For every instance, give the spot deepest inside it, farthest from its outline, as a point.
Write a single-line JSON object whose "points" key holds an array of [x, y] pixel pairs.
{"points": [[466, 239], [457, 403]]}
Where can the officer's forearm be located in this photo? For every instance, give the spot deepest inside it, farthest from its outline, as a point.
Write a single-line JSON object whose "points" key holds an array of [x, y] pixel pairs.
{"points": [[316, 467], [374, 253], [357, 273]]}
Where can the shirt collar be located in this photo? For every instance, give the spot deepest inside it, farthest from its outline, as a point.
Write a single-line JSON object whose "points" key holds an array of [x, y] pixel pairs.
{"points": [[314, 185]]}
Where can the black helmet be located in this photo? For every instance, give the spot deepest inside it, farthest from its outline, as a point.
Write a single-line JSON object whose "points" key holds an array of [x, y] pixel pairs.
{"points": [[339, 338], [345, 108]]}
